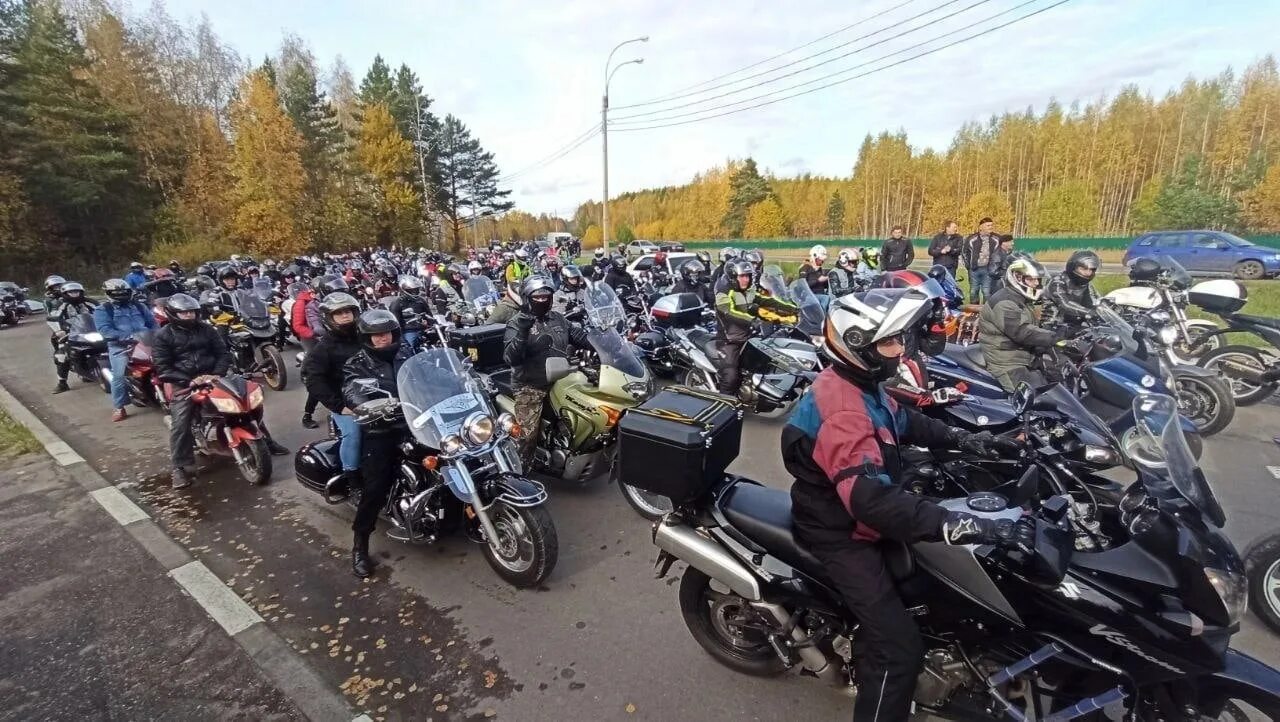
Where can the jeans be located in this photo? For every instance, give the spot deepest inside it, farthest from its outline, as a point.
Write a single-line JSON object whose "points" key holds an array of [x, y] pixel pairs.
{"points": [[348, 441], [411, 338], [979, 284], [119, 357]]}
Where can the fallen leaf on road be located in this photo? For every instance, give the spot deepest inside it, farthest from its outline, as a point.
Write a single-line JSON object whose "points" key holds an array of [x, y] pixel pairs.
{"points": [[490, 679], [630, 708]]}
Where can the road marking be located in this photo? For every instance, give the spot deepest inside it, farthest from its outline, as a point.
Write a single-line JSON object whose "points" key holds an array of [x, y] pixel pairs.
{"points": [[1275, 471], [118, 505], [216, 598]]}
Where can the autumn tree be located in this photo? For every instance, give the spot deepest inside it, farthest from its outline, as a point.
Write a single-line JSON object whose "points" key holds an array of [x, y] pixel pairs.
{"points": [[1262, 203], [204, 206], [765, 219], [746, 188], [835, 214], [268, 180], [387, 158], [1065, 208]]}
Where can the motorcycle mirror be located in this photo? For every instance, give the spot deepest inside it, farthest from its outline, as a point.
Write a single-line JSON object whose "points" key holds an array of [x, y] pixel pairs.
{"points": [[1022, 398]]}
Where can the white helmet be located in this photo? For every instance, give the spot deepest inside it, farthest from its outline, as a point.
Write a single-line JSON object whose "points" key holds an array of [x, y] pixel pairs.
{"points": [[1026, 276], [474, 266], [521, 254], [856, 322], [847, 257], [818, 251]]}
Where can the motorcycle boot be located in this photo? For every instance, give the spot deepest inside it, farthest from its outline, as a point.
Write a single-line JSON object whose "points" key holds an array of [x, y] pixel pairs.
{"points": [[362, 565]]}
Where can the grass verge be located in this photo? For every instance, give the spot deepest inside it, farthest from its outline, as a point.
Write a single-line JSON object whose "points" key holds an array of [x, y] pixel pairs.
{"points": [[15, 439]]}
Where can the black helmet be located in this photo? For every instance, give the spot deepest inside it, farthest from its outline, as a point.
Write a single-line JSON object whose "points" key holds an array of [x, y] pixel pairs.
{"points": [[339, 301], [378, 321], [389, 272], [756, 258], [739, 268], [117, 290], [204, 269], [1145, 269], [325, 285], [53, 284], [705, 258], [457, 269], [228, 271], [182, 303], [541, 287], [691, 271], [72, 292], [938, 272], [1079, 263], [411, 285], [571, 276], [619, 264], [211, 302]]}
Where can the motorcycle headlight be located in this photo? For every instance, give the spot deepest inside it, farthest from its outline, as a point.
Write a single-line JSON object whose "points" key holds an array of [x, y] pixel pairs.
{"points": [[451, 444], [225, 405], [255, 398], [93, 337], [1102, 455], [1167, 335], [478, 428], [508, 424], [1232, 589], [1159, 316]]}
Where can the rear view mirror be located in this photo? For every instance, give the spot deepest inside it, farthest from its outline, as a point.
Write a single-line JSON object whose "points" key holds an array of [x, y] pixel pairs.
{"points": [[1022, 398]]}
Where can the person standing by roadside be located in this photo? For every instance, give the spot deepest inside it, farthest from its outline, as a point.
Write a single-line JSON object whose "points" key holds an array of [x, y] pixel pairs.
{"points": [[976, 253], [897, 253], [1001, 257], [118, 320], [945, 247]]}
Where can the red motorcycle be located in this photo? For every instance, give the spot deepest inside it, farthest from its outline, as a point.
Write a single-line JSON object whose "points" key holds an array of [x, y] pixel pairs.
{"points": [[228, 422], [145, 388]]}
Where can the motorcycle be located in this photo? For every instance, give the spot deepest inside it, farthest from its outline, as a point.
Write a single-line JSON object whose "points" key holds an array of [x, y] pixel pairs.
{"points": [[1262, 568], [1140, 627], [228, 422], [480, 296], [457, 445], [1252, 373], [1162, 301], [145, 388], [252, 340], [86, 348], [8, 309]]}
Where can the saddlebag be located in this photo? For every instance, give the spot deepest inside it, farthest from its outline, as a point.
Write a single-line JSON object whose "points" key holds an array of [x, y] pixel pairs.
{"points": [[482, 344], [679, 442], [316, 463]]}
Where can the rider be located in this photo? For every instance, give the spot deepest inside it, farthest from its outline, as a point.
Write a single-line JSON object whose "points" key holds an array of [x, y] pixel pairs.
{"points": [[533, 336], [737, 309], [728, 255], [1070, 298], [73, 303], [693, 280], [176, 269], [600, 261], [118, 320], [518, 268], [186, 351], [228, 284], [842, 446], [381, 355], [322, 374], [410, 299], [53, 293], [1010, 339], [137, 275], [447, 293], [617, 275], [572, 292], [508, 306], [812, 271], [844, 277]]}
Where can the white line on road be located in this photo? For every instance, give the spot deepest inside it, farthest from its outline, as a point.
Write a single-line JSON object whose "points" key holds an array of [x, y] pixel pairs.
{"points": [[220, 602], [1275, 471], [119, 506]]}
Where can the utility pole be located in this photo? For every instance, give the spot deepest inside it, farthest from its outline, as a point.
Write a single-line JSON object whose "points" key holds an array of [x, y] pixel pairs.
{"points": [[422, 148], [604, 132]]}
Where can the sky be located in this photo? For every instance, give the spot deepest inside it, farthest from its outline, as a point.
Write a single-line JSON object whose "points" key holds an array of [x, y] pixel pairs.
{"points": [[527, 77]]}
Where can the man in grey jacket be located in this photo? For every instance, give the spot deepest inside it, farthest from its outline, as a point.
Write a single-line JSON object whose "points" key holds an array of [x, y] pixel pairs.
{"points": [[1011, 341]]}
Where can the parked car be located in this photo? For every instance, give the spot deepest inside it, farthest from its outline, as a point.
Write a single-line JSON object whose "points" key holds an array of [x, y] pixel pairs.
{"points": [[636, 249], [645, 262], [1208, 253]]}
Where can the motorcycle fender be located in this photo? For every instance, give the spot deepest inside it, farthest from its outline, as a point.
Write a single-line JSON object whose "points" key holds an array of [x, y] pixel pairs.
{"points": [[238, 435], [1185, 370], [519, 491], [1247, 678]]}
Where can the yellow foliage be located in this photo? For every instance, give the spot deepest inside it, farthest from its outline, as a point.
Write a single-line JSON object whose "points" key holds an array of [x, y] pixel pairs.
{"points": [[592, 237], [1262, 203], [266, 167], [987, 204], [387, 158], [203, 206], [765, 220]]}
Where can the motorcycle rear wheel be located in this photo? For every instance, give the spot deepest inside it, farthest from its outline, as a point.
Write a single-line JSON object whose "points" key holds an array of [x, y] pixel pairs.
{"points": [[273, 368], [527, 546], [1196, 330], [726, 628], [696, 378], [104, 383], [1207, 401], [1246, 392], [253, 459]]}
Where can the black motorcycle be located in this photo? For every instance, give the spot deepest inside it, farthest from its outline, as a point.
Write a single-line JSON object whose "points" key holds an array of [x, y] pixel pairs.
{"points": [[82, 344], [1138, 620], [252, 340], [8, 309]]}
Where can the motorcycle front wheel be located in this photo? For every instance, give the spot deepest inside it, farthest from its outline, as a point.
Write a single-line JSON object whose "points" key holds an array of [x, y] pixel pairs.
{"points": [[727, 627], [1207, 401], [273, 368], [526, 549], [1196, 330], [1233, 363], [253, 459], [1262, 570]]}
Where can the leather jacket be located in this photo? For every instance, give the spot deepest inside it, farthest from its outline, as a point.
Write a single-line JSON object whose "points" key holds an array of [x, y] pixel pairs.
{"points": [[181, 354], [529, 342]]}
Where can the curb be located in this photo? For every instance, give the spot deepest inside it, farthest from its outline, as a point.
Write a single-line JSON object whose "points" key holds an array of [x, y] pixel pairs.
{"points": [[269, 652]]}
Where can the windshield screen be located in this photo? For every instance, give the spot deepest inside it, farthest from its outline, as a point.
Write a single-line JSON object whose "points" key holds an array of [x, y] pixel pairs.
{"points": [[812, 316], [1178, 275], [437, 394], [479, 291], [249, 306], [81, 324], [1123, 329], [295, 288], [603, 307], [1166, 455], [263, 289], [771, 280], [616, 352], [1057, 397]]}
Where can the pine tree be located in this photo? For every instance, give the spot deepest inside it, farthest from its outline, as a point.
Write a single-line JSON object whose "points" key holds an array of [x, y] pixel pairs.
{"points": [[835, 214], [377, 86], [746, 188], [387, 158], [266, 167], [468, 179]]}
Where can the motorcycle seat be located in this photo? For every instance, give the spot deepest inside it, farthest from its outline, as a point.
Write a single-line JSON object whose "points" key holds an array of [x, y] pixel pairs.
{"points": [[705, 341], [968, 356], [1256, 320], [763, 515]]}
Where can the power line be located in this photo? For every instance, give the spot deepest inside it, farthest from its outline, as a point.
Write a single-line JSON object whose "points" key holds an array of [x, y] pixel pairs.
{"points": [[843, 80], [807, 68], [677, 95], [553, 157]]}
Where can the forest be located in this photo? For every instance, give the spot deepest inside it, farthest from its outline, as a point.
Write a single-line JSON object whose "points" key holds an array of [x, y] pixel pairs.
{"points": [[1206, 154], [134, 136]]}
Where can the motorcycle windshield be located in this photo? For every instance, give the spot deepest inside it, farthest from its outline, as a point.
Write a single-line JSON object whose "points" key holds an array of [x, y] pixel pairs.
{"points": [[772, 280], [812, 316], [1123, 329], [248, 306], [81, 324], [479, 291], [295, 288], [603, 307], [1177, 275], [616, 352], [263, 289], [437, 394], [1166, 456], [1058, 398]]}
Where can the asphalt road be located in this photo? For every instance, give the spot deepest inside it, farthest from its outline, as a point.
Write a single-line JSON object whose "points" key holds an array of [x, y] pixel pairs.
{"points": [[437, 635]]}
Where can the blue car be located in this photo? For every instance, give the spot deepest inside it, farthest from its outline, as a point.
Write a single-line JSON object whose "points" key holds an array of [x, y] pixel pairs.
{"points": [[1209, 253]]}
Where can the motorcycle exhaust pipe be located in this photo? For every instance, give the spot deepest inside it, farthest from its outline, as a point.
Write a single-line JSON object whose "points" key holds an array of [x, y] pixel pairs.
{"points": [[1248, 373], [810, 656], [707, 556]]}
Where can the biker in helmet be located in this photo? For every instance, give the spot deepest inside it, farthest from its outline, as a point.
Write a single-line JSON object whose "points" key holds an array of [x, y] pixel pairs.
{"points": [[1012, 343], [870, 260], [737, 309], [842, 446], [475, 268], [72, 303], [177, 270], [571, 295], [617, 276], [185, 351], [228, 284], [518, 268], [844, 278], [382, 353], [537, 333], [137, 275], [53, 293], [600, 261], [327, 284], [447, 292], [411, 309], [813, 273], [322, 374], [693, 280], [119, 320], [1070, 298]]}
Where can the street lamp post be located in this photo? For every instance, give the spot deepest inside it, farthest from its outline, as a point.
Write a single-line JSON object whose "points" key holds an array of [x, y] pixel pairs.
{"points": [[604, 132]]}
